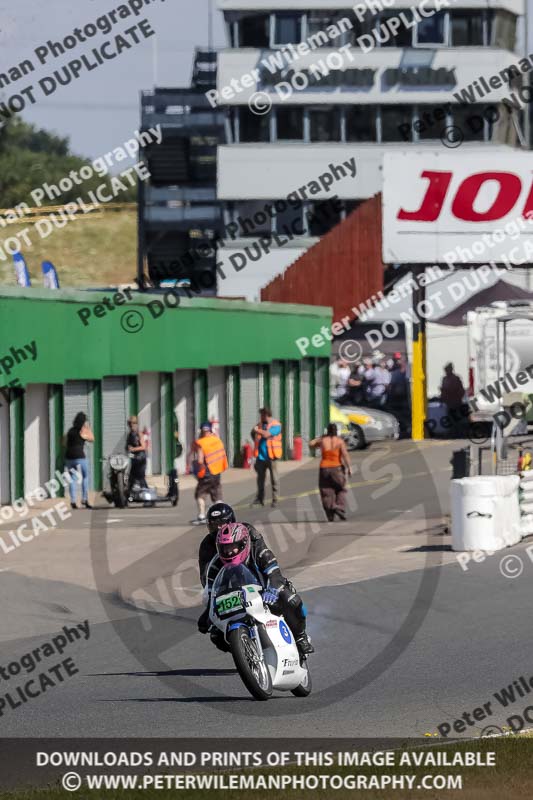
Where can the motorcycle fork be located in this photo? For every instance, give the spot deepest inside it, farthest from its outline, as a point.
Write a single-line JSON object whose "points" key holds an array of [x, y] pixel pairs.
{"points": [[254, 635]]}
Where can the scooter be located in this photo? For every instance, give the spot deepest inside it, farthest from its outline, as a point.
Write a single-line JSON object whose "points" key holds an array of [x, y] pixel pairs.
{"points": [[261, 642], [121, 495]]}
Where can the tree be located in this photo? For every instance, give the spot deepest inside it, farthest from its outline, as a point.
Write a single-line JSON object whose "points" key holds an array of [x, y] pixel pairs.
{"points": [[30, 157]]}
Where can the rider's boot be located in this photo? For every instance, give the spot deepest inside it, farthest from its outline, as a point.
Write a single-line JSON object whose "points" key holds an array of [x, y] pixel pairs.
{"points": [[295, 615], [303, 643], [217, 638], [204, 622]]}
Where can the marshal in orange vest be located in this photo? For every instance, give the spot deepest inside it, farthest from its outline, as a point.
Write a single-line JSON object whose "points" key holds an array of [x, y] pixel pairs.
{"points": [[215, 458], [274, 443]]}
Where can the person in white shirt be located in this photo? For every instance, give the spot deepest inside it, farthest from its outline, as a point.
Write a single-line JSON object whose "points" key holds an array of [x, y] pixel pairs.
{"points": [[339, 375], [379, 382]]}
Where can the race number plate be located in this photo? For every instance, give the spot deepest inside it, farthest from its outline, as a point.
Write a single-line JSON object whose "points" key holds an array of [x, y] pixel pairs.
{"points": [[227, 603]]}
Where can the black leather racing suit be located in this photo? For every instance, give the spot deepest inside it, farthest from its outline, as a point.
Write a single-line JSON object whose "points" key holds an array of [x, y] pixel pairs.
{"points": [[263, 563]]}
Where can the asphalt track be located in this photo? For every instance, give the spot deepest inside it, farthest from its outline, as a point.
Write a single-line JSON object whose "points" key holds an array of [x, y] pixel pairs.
{"points": [[397, 655]]}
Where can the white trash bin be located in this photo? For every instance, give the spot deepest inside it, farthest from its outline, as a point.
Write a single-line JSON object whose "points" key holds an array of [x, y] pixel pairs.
{"points": [[485, 512]]}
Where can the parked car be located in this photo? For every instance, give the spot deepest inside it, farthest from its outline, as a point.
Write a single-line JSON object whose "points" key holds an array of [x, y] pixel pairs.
{"points": [[360, 426]]}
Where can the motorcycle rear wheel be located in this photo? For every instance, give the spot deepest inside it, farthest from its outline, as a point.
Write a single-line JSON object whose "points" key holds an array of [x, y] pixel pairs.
{"points": [[304, 689], [253, 670]]}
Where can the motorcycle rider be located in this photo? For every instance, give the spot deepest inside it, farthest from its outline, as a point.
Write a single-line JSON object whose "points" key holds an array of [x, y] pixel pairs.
{"points": [[239, 543], [217, 515]]}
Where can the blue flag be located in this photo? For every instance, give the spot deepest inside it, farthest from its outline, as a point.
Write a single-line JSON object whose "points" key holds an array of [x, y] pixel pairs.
{"points": [[21, 270], [51, 281]]}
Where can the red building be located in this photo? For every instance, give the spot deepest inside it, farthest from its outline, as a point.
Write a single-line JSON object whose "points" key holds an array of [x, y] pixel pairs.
{"points": [[342, 270]]}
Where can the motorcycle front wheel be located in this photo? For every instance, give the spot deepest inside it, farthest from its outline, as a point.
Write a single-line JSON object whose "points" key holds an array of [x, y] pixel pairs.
{"points": [[120, 491], [252, 669]]}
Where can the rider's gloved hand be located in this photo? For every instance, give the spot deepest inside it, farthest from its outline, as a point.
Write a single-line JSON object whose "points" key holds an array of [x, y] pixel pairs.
{"points": [[270, 596]]}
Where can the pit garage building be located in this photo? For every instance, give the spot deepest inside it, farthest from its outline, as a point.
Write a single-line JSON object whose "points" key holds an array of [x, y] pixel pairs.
{"points": [[173, 366]]}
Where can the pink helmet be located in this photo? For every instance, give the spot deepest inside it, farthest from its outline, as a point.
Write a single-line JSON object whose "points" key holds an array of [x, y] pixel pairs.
{"points": [[233, 543]]}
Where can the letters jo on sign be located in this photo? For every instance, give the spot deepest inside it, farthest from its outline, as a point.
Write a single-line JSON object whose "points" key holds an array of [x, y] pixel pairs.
{"points": [[509, 188], [438, 202]]}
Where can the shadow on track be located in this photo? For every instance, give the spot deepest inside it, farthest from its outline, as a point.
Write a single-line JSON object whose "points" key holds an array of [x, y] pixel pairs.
{"points": [[188, 672], [208, 699]]}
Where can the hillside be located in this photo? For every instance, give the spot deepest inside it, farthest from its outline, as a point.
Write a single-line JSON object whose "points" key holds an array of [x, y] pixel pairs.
{"points": [[92, 250], [89, 251]]}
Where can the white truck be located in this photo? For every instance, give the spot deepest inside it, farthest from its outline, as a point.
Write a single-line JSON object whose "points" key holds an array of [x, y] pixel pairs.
{"points": [[500, 357]]}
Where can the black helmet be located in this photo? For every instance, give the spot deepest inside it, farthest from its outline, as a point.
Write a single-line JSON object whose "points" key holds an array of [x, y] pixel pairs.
{"points": [[219, 514]]}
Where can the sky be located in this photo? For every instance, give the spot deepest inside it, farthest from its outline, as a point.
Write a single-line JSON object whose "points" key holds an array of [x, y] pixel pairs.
{"points": [[100, 110]]}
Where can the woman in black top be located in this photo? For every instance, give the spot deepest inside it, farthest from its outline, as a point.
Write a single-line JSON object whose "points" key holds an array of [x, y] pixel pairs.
{"points": [[75, 459]]}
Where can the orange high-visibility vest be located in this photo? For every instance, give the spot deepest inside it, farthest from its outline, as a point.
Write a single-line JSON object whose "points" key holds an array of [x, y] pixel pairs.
{"points": [[274, 443], [215, 458]]}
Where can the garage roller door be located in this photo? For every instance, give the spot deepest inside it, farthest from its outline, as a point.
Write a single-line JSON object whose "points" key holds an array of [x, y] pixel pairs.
{"points": [[249, 380], [77, 396], [305, 397], [321, 381], [275, 388], [233, 414], [5, 478], [290, 408], [114, 415]]}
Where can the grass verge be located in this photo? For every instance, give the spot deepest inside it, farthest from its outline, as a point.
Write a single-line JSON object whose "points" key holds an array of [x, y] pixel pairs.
{"points": [[94, 250]]}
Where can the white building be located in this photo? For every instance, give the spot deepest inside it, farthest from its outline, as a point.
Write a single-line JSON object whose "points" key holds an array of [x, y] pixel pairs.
{"points": [[343, 98]]}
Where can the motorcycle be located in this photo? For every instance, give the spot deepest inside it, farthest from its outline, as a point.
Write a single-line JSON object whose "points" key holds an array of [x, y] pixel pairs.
{"points": [[120, 494], [261, 642]]}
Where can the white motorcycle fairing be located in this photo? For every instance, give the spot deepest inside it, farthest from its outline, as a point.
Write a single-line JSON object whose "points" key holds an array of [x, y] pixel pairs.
{"points": [[272, 635]]}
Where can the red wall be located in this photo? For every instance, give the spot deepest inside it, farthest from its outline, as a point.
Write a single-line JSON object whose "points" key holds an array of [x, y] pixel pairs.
{"points": [[342, 270]]}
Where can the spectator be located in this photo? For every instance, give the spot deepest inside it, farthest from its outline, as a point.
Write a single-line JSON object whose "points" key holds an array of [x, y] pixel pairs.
{"points": [[398, 394], [334, 465], [356, 388], [136, 446], [452, 391], [75, 459], [268, 450], [339, 375], [209, 461], [378, 378], [452, 394], [398, 361]]}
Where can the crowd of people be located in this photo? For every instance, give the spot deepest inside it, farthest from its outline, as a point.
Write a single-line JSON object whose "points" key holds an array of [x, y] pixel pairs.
{"points": [[376, 381]]}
